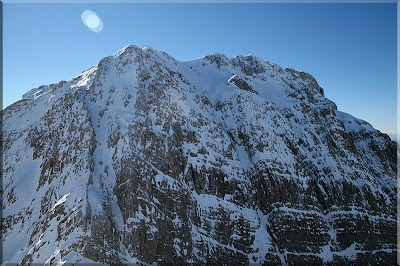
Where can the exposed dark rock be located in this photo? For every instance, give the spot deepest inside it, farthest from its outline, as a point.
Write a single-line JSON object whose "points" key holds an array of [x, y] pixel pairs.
{"points": [[241, 84]]}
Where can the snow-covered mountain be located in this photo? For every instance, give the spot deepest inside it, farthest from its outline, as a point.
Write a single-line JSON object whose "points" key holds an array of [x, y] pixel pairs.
{"points": [[143, 158]]}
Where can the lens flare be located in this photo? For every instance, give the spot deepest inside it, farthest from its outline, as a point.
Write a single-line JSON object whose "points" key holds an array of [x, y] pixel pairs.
{"points": [[92, 21]]}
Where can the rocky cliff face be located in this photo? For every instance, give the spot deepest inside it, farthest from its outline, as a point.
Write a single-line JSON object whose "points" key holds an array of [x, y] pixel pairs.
{"points": [[143, 158]]}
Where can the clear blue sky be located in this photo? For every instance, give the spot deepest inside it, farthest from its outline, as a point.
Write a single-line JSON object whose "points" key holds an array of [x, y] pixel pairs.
{"points": [[349, 48]]}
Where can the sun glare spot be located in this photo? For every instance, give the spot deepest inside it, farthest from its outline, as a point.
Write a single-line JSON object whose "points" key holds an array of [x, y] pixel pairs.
{"points": [[92, 21]]}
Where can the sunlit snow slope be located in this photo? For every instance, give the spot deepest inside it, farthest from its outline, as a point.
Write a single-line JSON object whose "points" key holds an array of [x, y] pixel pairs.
{"points": [[143, 158]]}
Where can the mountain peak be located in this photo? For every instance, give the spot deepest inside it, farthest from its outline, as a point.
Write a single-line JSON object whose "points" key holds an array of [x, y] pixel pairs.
{"points": [[145, 159]]}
